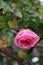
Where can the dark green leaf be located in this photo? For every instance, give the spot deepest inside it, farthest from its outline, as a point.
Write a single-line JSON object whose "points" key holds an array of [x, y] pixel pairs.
{"points": [[1, 60]]}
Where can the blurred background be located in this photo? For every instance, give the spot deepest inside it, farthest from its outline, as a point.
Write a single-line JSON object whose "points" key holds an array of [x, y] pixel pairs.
{"points": [[14, 15]]}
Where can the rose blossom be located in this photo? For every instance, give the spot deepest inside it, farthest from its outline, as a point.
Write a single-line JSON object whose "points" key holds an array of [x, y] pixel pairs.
{"points": [[26, 39]]}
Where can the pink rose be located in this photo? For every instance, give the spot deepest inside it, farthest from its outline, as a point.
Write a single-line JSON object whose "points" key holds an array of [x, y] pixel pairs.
{"points": [[26, 39]]}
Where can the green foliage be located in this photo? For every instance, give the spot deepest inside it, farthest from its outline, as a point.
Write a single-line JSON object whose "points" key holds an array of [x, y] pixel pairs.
{"points": [[6, 14], [5, 7], [1, 60], [9, 37], [31, 20], [22, 14], [16, 49], [29, 58], [41, 11]]}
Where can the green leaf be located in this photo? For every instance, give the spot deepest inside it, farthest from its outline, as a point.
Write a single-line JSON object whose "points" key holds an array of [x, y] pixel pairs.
{"points": [[29, 58], [6, 7], [1, 60], [9, 37], [30, 20], [15, 48]]}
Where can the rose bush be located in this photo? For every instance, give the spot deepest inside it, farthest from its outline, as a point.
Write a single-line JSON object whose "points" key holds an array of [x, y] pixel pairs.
{"points": [[26, 39]]}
